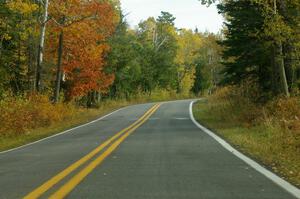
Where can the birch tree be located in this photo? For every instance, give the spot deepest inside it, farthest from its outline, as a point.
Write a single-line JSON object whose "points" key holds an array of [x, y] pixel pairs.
{"points": [[40, 56]]}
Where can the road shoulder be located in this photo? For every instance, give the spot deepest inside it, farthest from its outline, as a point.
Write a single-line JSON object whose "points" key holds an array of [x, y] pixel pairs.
{"points": [[272, 176]]}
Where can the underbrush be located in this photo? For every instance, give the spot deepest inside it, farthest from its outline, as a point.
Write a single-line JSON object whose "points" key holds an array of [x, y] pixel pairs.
{"points": [[157, 95], [270, 132], [24, 120], [19, 115]]}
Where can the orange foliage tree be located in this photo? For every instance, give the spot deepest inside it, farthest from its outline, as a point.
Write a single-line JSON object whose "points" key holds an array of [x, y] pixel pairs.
{"points": [[79, 29]]}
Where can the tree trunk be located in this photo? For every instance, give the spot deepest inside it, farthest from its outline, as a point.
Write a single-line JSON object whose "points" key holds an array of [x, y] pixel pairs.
{"points": [[288, 46], [279, 61], [89, 100], [41, 48], [30, 62], [289, 62], [98, 96], [274, 75], [1, 45], [58, 70]]}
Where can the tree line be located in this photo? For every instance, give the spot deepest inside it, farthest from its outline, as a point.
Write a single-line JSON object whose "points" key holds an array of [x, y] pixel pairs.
{"points": [[85, 50], [75, 50], [261, 44]]}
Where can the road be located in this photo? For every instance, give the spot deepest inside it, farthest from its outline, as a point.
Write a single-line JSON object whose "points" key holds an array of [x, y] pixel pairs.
{"points": [[162, 155]]}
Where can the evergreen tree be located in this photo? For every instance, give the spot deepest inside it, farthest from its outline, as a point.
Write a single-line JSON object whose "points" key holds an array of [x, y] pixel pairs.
{"points": [[245, 55]]}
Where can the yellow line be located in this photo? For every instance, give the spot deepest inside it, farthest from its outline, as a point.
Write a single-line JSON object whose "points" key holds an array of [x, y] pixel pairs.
{"points": [[54, 180], [73, 182]]}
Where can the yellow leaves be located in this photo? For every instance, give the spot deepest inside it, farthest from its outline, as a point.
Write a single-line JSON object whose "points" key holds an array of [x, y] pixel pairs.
{"points": [[187, 83], [19, 116], [23, 7], [188, 43], [6, 36], [276, 28]]}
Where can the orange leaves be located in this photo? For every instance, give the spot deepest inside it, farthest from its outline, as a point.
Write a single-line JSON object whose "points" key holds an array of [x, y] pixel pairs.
{"points": [[86, 26], [19, 116]]}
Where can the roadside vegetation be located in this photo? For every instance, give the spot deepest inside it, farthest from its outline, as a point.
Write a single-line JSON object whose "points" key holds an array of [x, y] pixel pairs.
{"points": [[257, 104], [270, 133], [66, 62]]}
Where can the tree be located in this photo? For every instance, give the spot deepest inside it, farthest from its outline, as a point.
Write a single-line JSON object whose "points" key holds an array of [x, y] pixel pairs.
{"points": [[207, 2], [41, 45], [125, 61], [189, 44], [158, 38], [207, 61], [17, 19], [166, 18], [80, 30], [261, 40], [245, 55]]}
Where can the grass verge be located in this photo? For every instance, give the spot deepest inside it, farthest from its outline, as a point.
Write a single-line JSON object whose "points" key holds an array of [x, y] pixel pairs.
{"points": [[266, 143], [79, 116]]}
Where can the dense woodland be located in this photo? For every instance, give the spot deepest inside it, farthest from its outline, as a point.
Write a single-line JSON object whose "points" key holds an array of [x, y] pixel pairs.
{"points": [[261, 44], [84, 50], [73, 50]]}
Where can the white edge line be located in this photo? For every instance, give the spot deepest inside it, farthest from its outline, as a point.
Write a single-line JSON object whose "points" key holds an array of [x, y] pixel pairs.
{"points": [[64, 132], [273, 177]]}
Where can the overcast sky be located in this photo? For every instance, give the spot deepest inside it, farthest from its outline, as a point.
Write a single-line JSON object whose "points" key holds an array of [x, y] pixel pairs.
{"points": [[189, 13]]}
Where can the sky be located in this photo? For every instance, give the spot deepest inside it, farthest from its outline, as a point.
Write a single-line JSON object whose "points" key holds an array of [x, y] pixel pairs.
{"points": [[189, 13]]}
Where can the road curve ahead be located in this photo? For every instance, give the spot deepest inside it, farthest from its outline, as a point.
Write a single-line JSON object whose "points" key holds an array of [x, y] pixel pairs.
{"points": [[149, 151]]}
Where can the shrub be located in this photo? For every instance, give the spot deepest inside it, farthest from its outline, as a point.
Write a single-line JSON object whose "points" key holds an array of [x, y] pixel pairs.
{"points": [[19, 115], [231, 103], [286, 111]]}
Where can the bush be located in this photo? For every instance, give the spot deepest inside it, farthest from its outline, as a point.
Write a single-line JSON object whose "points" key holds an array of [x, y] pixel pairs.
{"points": [[287, 112], [19, 115], [234, 103]]}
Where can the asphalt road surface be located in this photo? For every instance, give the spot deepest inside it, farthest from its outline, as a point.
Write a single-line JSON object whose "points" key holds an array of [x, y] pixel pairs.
{"points": [[149, 151]]}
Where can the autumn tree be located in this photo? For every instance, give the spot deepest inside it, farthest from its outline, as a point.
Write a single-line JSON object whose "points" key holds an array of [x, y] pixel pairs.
{"points": [[17, 38], [208, 73], [189, 44], [79, 32]]}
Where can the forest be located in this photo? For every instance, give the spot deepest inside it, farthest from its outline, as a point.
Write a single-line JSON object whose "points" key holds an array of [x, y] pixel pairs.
{"points": [[256, 106], [48, 48], [59, 59], [64, 62]]}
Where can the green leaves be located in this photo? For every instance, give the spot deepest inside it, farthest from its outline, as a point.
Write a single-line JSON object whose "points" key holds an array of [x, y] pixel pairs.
{"points": [[144, 58], [261, 39], [17, 32], [207, 2]]}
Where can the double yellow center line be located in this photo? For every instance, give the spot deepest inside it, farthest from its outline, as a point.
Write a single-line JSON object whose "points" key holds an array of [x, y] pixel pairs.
{"points": [[111, 145]]}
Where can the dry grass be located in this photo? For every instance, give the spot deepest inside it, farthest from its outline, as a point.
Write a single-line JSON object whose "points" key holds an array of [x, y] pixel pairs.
{"points": [[24, 121], [270, 133]]}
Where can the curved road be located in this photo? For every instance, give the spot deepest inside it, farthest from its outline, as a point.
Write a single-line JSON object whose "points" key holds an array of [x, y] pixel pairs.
{"points": [[157, 152]]}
